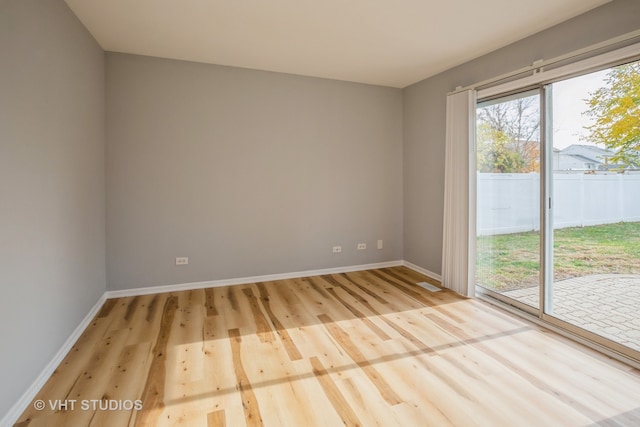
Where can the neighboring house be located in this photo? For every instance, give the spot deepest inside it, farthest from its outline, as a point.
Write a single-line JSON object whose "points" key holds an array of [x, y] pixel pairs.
{"points": [[584, 157]]}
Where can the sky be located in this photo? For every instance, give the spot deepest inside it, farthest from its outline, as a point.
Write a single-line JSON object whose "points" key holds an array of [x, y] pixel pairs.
{"points": [[568, 105]]}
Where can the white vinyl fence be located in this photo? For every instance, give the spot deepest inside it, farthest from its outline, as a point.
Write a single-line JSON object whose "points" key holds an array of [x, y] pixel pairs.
{"points": [[510, 203]]}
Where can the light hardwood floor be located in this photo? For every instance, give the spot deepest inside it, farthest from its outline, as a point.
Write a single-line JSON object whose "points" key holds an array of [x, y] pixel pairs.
{"points": [[359, 349]]}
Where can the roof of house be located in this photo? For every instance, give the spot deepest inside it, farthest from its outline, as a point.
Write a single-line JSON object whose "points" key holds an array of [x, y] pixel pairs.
{"points": [[590, 153]]}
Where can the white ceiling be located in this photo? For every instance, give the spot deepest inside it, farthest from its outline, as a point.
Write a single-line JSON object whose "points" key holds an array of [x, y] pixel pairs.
{"points": [[383, 42]]}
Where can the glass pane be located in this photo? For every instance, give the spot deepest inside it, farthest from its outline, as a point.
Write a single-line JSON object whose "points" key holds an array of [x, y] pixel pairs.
{"points": [[596, 203], [508, 197]]}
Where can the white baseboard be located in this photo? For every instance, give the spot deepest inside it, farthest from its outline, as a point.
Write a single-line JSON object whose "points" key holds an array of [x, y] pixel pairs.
{"points": [[19, 407], [422, 271], [245, 280]]}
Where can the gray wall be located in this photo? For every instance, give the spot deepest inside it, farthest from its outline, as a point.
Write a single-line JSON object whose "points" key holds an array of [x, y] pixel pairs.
{"points": [[245, 172], [424, 117], [52, 187]]}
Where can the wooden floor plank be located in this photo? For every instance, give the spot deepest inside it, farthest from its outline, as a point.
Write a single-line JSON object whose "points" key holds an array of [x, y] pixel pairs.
{"points": [[288, 344], [343, 339], [124, 387], [212, 311], [153, 392], [243, 385], [216, 419], [334, 395], [365, 287], [375, 328], [262, 325], [367, 348]]}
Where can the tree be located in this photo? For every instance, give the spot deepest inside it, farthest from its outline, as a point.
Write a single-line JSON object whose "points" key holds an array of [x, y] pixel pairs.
{"points": [[509, 133], [494, 154], [615, 111]]}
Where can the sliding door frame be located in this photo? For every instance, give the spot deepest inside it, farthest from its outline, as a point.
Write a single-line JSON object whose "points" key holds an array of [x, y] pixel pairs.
{"points": [[546, 200]]}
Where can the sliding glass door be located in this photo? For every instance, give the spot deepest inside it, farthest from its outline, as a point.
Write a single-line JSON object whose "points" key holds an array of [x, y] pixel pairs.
{"points": [[508, 197], [595, 182], [558, 203]]}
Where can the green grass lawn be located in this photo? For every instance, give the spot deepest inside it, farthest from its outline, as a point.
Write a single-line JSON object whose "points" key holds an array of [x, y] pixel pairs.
{"points": [[511, 261]]}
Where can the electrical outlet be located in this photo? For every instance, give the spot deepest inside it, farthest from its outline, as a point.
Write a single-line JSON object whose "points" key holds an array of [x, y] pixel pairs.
{"points": [[380, 244], [362, 246], [337, 249], [182, 260]]}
